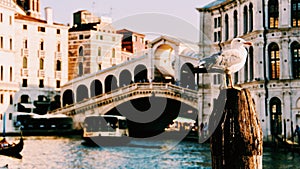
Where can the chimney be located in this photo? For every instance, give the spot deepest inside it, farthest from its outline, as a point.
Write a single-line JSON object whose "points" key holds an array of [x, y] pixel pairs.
{"points": [[49, 15]]}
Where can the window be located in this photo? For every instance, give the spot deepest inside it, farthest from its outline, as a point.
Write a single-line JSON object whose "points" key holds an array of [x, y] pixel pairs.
{"points": [[142, 40], [80, 36], [80, 69], [10, 44], [274, 61], [235, 24], [41, 29], [134, 38], [295, 50], [42, 45], [250, 17], [24, 83], [273, 13], [276, 116], [57, 84], [10, 20], [99, 66], [113, 53], [10, 74], [24, 27], [251, 64], [246, 69], [24, 62], [226, 27], [1, 17], [41, 84], [99, 51], [80, 51], [113, 38], [58, 65], [101, 37], [11, 100], [1, 42], [1, 73], [245, 19], [58, 31], [58, 47], [217, 22], [1, 98], [295, 13], [25, 44], [41, 64]]}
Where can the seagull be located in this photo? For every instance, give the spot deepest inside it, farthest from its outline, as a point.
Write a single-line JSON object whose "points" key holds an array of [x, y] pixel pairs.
{"points": [[228, 61]]}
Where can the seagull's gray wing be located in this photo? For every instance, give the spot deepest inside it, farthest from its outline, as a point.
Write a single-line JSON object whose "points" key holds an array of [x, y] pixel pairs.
{"points": [[210, 61]]}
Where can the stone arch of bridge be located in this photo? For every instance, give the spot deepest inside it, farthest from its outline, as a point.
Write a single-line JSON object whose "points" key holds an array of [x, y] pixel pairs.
{"points": [[187, 76]]}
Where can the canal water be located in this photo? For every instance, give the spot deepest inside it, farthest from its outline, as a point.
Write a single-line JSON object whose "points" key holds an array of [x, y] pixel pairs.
{"points": [[62, 152]]}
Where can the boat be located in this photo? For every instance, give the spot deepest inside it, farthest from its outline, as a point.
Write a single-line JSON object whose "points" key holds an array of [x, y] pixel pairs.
{"points": [[12, 149], [183, 128], [105, 130]]}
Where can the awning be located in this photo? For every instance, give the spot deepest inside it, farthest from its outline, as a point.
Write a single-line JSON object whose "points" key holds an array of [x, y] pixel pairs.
{"points": [[28, 105]]}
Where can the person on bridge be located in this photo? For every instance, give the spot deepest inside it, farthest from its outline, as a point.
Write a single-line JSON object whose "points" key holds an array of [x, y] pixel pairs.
{"points": [[297, 133]]}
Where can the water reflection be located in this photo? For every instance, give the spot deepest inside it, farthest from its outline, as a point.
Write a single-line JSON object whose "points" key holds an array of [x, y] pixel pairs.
{"points": [[60, 152]]}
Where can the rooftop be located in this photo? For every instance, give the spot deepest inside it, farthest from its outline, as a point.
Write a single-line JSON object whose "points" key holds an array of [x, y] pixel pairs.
{"points": [[214, 3]]}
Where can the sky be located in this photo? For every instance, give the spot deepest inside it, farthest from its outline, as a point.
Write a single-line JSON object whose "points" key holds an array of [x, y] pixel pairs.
{"points": [[176, 18]]}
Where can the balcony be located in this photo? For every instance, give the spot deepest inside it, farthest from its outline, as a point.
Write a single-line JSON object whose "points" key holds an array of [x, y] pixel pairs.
{"points": [[24, 52], [24, 72], [58, 74], [41, 53], [57, 55], [41, 73]]}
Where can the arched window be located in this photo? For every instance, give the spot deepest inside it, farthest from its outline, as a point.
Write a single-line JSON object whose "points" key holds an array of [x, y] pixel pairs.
{"points": [[274, 61], [276, 116], [235, 24], [58, 65], [41, 64], [273, 13], [295, 50], [226, 27], [245, 19], [113, 54], [80, 51], [250, 17], [99, 51], [24, 62], [295, 13], [41, 45]]}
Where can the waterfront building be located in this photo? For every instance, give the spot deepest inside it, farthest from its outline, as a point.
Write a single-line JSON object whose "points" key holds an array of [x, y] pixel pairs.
{"points": [[94, 44], [33, 54], [272, 70], [133, 44]]}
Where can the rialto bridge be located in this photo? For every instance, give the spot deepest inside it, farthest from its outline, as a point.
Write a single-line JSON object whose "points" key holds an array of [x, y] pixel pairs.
{"points": [[150, 90]]}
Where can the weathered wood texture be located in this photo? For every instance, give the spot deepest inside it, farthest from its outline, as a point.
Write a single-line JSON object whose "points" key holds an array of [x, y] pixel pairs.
{"points": [[236, 143]]}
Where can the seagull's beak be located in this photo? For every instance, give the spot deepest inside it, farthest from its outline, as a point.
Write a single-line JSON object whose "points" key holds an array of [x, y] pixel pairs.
{"points": [[248, 43]]}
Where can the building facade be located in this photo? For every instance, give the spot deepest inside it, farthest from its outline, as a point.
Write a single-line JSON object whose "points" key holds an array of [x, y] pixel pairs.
{"points": [[133, 44], [94, 44], [34, 55], [272, 70]]}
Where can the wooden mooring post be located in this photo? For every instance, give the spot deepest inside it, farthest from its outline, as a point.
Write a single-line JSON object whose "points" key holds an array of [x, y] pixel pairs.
{"points": [[236, 142]]}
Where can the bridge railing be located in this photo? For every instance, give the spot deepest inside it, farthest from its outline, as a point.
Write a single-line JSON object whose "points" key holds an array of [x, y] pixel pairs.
{"points": [[127, 89]]}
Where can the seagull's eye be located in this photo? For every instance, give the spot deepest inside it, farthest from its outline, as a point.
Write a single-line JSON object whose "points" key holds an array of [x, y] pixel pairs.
{"points": [[239, 40]]}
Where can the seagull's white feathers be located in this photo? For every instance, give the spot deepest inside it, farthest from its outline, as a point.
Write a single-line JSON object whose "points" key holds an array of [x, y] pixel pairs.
{"points": [[230, 60]]}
